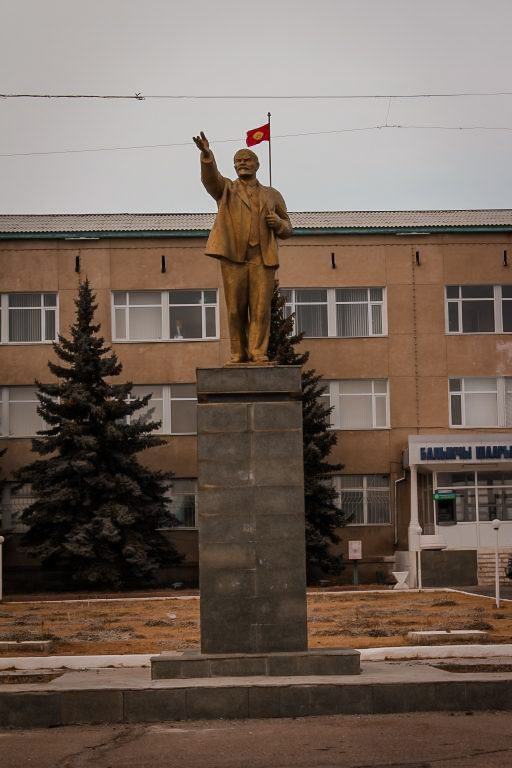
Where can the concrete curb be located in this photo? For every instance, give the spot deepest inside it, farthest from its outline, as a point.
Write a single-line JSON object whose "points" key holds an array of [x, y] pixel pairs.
{"points": [[82, 698], [134, 660]]}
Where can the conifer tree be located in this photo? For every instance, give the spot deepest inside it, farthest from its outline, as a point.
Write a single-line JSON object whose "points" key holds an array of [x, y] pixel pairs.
{"points": [[323, 516], [97, 507]]}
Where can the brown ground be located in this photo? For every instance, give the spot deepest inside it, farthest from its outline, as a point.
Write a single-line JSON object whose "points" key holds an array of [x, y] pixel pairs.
{"points": [[150, 626]]}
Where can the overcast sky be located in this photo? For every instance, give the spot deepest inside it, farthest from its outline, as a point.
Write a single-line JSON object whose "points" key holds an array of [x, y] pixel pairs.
{"points": [[260, 48]]}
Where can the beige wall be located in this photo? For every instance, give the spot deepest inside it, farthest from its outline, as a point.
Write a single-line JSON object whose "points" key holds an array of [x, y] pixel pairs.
{"points": [[417, 356]]}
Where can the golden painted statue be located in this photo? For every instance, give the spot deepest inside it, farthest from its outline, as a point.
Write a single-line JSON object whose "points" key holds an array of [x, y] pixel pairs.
{"points": [[249, 219]]}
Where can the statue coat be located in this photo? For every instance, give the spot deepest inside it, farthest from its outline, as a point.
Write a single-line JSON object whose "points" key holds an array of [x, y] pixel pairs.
{"points": [[229, 236]]}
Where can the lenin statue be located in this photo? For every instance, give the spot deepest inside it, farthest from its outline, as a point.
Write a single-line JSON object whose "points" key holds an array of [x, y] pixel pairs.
{"points": [[249, 219]]}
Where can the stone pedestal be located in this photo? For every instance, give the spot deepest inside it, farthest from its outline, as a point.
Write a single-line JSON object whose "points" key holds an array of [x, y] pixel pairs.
{"points": [[319, 662], [251, 510]]}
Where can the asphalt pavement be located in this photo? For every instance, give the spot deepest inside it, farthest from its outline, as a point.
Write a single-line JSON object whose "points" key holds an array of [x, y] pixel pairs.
{"points": [[436, 740]]}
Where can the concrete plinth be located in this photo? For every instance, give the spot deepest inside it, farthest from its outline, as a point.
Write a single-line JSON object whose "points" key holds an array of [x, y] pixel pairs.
{"points": [[191, 664], [251, 510]]}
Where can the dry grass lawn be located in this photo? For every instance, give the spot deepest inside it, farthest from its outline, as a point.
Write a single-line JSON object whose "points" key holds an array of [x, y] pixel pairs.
{"points": [[150, 626]]}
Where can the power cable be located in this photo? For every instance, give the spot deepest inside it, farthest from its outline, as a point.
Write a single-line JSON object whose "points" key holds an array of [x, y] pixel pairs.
{"points": [[238, 97], [278, 136]]}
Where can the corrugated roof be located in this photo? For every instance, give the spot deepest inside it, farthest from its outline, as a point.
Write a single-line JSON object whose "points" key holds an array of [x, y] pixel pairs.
{"points": [[59, 224]]}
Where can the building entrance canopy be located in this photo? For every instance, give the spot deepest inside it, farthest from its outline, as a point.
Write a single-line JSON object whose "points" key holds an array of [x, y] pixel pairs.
{"points": [[459, 484]]}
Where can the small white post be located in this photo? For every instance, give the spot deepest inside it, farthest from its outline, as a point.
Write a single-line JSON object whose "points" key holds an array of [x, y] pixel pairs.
{"points": [[419, 531], [413, 527], [496, 527], [1, 568]]}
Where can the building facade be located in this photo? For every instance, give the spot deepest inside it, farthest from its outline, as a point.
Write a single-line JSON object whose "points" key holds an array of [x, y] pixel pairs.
{"points": [[406, 315]]}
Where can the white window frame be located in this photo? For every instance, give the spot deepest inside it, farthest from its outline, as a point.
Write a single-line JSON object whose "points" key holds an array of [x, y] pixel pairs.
{"points": [[167, 398], [364, 489], [172, 495], [497, 301], [4, 311], [500, 391], [333, 387], [332, 330], [5, 422], [165, 316], [203, 306]]}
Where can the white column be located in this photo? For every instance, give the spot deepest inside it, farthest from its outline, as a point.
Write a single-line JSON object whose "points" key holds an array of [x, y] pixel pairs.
{"points": [[413, 528]]}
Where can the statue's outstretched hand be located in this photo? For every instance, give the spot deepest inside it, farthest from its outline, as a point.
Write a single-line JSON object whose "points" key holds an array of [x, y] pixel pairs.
{"points": [[202, 143]]}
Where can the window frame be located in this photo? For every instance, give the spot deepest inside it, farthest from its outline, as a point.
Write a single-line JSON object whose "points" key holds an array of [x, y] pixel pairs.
{"points": [[167, 399], [501, 400], [171, 495], [333, 387], [5, 421], [365, 488], [9, 515], [332, 303], [498, 305], [165, 306], [4, 317]]}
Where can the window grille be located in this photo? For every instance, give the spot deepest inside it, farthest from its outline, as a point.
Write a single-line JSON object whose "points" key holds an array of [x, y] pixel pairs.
{"points": [[364, 499]]}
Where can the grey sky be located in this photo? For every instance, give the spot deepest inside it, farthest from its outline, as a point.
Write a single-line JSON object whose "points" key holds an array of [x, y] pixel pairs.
{"points": [[291, 47]]}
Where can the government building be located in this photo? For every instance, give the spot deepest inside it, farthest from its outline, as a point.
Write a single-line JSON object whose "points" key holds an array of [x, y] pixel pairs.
{"points": [[407, 316]]}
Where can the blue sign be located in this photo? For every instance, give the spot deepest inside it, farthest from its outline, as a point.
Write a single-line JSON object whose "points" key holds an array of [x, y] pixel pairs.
{"points": [[465, 453]]}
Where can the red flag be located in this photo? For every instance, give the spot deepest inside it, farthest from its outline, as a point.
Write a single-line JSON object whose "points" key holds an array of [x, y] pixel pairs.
{"points": [[258, 135]]}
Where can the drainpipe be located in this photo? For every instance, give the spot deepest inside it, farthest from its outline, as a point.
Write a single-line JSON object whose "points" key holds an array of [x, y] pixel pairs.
{"points": [[395, 504]]}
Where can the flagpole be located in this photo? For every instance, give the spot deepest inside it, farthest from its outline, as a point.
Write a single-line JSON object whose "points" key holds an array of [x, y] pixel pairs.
{"points": [[269, 151]]}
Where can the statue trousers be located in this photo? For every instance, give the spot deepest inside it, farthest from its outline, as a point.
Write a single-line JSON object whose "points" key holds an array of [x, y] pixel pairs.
{"points": [[248, 288]]}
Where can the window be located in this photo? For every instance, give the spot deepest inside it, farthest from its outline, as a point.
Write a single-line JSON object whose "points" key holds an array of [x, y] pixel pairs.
{"points": [[358, 403], [18, 412], [364, 499], [183, 400], [338, 312], [359, 312], [486, 494], [154, 410], [192, 314], [182, 509], [12, 505], [310, 307], [494, 495], [164, 315], [478, 309], [480, 402], [175, 405], [28, 318]]}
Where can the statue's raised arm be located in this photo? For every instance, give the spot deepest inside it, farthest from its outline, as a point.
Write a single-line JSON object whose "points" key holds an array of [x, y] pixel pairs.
{"points": [[244, 235], [203, 144]]}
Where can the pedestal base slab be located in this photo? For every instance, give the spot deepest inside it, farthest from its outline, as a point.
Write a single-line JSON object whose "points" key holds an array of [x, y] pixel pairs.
{"points": [[192, 664]]}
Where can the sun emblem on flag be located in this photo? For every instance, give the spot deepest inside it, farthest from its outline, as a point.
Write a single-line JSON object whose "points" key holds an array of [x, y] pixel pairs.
{"points": [[257, 135]]}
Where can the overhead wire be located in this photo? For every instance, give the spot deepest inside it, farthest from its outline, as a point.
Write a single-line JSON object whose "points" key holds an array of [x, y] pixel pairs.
{"points": [[380, 127], [245, 97]]}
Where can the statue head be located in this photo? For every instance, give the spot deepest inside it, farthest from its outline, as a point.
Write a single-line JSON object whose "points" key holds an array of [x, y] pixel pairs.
{"points": [[246, 164]]}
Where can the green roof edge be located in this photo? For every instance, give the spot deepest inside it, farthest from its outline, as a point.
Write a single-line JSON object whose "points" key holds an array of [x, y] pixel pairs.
{"points": [[300, 231]]}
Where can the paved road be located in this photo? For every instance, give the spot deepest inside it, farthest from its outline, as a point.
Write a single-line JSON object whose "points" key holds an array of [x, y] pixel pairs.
{"points": [[505, 591], [481, 740]]}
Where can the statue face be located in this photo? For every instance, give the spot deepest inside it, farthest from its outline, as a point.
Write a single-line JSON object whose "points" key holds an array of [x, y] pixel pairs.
{"points": [[246, 164]]}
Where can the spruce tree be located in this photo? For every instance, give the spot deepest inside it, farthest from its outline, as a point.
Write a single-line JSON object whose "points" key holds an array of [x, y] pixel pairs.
{"points": [[97, 507], [323, 516]]}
